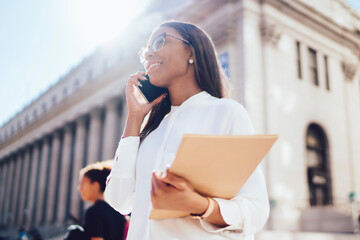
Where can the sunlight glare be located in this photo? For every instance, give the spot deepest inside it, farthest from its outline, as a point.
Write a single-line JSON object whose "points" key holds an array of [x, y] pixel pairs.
{"points": [[101, 21]]}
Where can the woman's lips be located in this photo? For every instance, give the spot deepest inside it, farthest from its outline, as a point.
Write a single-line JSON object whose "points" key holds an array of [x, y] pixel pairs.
{"points": [[152, 66]]}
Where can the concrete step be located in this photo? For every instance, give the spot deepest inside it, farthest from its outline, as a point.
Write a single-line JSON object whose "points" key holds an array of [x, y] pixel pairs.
{"points": [[325, 219], [285, 235]]}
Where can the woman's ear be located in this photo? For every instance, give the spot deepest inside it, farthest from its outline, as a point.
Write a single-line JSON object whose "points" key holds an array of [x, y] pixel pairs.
{"points": [[191, 54]]}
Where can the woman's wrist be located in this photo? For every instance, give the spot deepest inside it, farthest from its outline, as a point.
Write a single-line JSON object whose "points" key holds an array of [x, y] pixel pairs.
{"points": [[208, 211], [133, 125], [200, 205]]}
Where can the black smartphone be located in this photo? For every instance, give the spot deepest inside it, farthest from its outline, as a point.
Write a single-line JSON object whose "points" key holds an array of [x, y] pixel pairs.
{"points": [[149, 91]]}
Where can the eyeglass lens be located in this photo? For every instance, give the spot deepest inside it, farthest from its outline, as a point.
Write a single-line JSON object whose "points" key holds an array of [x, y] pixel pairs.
{"points": [[157, 44]]}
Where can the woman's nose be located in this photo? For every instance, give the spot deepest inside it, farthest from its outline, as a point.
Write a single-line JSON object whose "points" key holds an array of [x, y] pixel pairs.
{"points": [[148, 53]]}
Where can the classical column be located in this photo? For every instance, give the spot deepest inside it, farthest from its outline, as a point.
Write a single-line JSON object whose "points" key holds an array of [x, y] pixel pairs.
{"points": [[42, 179], [16, 193], [23, 184], [55, 155], [110, 130], [3, 188], [64, 173], [94, 136], [33, 182], [9, 187], [80, 142]]}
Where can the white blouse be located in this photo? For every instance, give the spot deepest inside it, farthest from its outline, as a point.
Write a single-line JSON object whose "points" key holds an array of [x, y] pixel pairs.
{"points": [[129, 183]]}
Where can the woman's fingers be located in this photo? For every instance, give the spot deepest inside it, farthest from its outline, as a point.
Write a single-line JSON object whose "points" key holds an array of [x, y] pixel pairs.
{"points": [[159, 189], [157, 182], [134, 78], [178, 182]]}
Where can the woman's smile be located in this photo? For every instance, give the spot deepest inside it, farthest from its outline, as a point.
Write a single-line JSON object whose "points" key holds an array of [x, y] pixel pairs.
{"points": [[152, 66]]}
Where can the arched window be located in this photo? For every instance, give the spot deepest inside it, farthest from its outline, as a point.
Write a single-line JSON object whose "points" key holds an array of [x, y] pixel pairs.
{"points": [[318, 167]]}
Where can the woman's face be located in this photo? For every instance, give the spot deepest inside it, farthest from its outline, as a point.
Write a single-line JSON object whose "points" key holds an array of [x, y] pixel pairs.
{"points": [[169, 62], [88, 190]]}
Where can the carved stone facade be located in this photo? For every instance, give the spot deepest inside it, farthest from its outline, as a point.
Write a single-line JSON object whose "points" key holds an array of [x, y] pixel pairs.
{"points": [[349, 70]]}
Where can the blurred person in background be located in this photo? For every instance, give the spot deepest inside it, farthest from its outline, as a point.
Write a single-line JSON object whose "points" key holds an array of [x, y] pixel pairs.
{"points": [[101, 221]]}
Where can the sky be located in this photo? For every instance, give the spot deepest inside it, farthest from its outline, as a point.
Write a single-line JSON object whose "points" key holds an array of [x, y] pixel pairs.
{"points": [[41, 40]]}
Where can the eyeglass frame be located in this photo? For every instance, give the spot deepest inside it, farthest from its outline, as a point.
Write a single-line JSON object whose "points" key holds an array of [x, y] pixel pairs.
{"points": [[147, 48]]}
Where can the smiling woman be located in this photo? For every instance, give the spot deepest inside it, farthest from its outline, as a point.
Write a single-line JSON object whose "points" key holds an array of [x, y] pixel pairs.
{"points": [[102, 21]]}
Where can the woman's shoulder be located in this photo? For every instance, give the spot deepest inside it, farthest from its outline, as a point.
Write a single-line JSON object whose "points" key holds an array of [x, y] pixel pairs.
{"points": [[226, 103]]}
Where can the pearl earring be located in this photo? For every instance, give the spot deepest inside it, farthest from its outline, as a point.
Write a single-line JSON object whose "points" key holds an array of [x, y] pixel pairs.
{"points": [[191, 61]]}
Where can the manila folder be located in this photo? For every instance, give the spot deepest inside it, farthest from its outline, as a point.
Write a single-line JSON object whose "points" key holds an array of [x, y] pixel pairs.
{"points": [[217, 166]]}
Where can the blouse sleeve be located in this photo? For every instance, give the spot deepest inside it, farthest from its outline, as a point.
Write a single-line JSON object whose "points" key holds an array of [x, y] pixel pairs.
{"points": [[248, 212], [120, 183]]}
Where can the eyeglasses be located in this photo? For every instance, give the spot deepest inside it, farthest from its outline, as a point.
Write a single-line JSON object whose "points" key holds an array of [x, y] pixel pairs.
{"points": [[158, 44]]}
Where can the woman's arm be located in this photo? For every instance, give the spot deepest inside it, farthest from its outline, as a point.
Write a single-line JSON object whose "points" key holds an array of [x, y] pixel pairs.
{"points": [[248, 212], [244, 214], [121, 181], [137, 106], [170, 191]]}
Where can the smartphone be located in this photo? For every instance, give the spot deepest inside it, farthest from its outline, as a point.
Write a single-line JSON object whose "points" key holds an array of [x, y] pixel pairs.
{"points": [[149, 91]]}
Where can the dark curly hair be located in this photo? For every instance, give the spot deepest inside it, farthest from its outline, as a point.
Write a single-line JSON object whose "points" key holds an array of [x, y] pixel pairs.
{"points": [[97, 172]]}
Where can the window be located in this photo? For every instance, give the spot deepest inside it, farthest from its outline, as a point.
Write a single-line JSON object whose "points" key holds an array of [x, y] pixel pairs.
{"points": [[90, 76], [44, 107], [19, 126], [298, 60], [357, 31], [27, 120], [54, 100], [76, 83], [65, 92], [327, 81], [35, 113], [313, 67], [318, 169]]}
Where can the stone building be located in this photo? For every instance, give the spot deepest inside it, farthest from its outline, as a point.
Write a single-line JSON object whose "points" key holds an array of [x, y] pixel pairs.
{"points": [[293, 64]]}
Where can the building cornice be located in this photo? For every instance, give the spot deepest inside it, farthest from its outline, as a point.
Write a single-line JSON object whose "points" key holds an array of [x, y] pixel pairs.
{"points": [[319, 22], [217, 18], [59, 111]]}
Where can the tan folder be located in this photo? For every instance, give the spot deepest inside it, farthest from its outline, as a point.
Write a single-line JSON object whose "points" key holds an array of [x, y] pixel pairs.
{"points": [[217, 166]]}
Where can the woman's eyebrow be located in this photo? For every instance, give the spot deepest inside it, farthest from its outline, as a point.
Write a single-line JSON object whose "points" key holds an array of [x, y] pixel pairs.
{"points": [[155, 38]]}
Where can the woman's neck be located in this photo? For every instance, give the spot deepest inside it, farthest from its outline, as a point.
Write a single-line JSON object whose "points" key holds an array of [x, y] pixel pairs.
{"points": [[182, 89]]}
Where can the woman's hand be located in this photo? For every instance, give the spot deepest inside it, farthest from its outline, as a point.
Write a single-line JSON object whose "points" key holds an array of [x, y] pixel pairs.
{"points": [[137, 105], [175, 193]]}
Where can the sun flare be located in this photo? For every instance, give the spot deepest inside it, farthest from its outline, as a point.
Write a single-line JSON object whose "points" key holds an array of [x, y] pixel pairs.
{"points": [[102, 21]]}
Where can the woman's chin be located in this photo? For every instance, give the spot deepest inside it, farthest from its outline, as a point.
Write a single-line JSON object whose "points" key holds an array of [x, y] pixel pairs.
{"points": [[156, 80]]}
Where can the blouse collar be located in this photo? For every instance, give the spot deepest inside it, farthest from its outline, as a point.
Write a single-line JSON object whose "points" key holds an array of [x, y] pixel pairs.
{"points": [[191, 100]]}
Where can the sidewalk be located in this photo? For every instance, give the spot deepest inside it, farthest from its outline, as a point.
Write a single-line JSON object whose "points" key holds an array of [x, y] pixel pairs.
{"points": [[283, 235]]}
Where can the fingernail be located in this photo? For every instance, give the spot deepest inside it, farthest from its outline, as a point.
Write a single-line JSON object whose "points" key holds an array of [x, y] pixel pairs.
{"points": [[163, 174], [140, 84], [158, 173]]}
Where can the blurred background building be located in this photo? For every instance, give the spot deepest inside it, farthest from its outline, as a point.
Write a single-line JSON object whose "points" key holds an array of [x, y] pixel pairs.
{"points": [[294, 65]]}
